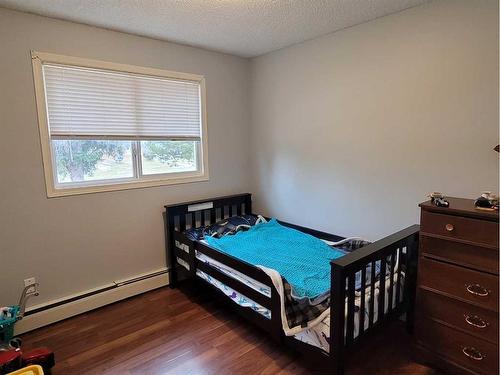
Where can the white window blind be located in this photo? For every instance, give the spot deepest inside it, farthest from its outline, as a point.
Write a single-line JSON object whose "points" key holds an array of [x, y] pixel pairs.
{"points": [[85, 102]]}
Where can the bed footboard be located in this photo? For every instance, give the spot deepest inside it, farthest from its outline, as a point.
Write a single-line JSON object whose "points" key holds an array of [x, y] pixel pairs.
{"points": [[360, 275]]}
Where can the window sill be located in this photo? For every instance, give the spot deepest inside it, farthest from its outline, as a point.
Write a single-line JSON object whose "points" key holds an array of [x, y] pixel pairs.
{"points": [[53, 192]]}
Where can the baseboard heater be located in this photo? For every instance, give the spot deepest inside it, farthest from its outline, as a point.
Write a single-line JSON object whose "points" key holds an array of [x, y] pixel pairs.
{"points": [[39, 316], [96, 291]]}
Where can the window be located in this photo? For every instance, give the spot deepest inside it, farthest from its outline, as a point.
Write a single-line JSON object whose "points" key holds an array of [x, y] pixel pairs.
{"points": [[106, 126]]}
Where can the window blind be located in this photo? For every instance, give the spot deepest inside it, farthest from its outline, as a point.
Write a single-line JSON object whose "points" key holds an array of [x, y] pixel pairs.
{"points": [[84, 102]]}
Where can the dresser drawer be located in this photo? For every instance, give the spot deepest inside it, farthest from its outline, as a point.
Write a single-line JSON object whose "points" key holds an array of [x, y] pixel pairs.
{"points": [[465, 350], [472, 319], [460, 228], [470, 286], [480, 258]]}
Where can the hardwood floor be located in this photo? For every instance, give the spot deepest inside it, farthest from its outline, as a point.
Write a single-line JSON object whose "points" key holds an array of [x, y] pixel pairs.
{"points": [[167, 331]]}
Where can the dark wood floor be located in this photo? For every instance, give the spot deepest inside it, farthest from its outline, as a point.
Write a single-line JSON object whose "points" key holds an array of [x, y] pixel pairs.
{"points": [[169, 332]]}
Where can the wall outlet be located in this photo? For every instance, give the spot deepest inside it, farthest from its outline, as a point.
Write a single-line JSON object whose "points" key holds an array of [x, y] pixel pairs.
{"points": [[30, 281]]}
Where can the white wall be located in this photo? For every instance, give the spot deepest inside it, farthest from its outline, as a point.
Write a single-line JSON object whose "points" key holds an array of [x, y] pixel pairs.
{"points": [[352, 130], [73, 244]]}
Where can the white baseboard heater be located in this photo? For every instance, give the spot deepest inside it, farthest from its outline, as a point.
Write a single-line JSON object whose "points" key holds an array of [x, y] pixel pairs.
{"points": [[41, 315]]}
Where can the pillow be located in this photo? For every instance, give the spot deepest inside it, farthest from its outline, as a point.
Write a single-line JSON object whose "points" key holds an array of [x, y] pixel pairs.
{"points": [[221, 228]]}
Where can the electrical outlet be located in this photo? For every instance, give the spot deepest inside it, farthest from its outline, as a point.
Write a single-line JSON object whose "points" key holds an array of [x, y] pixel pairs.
{"points": [[30, 281]]}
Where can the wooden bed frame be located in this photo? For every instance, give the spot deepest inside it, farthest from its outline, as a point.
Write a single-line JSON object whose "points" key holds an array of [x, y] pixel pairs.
{"points": [[403, 244]]}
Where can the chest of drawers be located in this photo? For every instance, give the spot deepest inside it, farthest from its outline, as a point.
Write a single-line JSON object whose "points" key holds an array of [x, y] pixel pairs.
{"points": [[456, 317]]}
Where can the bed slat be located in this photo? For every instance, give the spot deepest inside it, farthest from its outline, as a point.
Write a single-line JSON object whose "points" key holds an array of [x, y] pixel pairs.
{"points": [[362, 304], [391, 280], [202, 218], [235, 284], [381, 295], [398, 280], [251, 315], [182, 254], [407, 265], [351, 281], [236, 264], [372, 293], [182, 223], [337, 307], [176, 223]]}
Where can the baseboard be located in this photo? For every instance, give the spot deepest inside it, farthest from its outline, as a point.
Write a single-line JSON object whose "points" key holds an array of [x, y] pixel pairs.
{"points": [[55, 311]]}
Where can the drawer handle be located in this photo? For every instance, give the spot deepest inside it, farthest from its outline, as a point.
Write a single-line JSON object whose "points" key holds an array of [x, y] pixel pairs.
{"points": [[477, 290], [475, 321], [473, 353], [449, 227]]}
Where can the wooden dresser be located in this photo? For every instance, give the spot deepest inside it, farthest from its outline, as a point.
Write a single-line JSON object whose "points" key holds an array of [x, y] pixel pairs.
{"points": [[456, 326]]}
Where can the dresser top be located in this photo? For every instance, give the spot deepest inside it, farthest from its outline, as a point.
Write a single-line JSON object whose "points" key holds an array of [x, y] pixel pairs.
{"points": [[462, 207]]}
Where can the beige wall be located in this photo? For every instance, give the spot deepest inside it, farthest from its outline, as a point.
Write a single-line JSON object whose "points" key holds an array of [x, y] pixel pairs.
{"points": [[380, 113], [76, 243], [352, 130]]}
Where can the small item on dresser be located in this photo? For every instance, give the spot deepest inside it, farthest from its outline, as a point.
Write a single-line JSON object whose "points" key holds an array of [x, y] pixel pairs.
{"points": [[487, 201], [438, 199]]}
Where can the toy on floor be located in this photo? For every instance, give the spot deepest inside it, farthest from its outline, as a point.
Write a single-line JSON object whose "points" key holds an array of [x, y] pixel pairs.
{"points": [[11, 356], [9, 315], [14, 359]]}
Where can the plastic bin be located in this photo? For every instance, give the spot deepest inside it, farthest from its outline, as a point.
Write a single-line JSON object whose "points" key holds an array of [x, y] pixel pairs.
{"points": [[30, 370]]}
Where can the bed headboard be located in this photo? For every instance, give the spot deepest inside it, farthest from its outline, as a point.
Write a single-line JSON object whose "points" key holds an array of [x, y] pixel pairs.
{"points": [[195, 214], [202, 212]]}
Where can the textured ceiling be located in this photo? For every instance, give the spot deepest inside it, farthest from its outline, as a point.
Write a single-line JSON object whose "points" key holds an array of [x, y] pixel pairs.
{"points": [[241, 27]]}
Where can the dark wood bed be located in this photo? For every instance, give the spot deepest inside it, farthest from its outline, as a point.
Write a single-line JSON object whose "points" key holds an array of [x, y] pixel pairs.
{"points": [[403, 244]]}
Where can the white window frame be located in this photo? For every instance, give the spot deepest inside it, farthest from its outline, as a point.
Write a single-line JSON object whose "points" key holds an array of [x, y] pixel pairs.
{"points": [[56, 190]]}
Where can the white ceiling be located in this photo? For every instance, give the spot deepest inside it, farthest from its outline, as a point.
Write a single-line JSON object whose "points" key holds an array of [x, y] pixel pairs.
{"points": [[246, 28]]}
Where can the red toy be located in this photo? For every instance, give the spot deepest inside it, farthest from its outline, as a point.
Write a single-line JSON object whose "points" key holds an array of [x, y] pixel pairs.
{"points": [[15, 359], [10, 360], [39, 356]]}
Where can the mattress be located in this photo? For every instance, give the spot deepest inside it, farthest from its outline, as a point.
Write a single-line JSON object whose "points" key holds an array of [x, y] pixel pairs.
{"points": [[300, 258], [319, 334]]}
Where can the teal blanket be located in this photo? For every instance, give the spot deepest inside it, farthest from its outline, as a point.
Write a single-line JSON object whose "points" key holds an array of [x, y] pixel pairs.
{"points": [[303, 260]]}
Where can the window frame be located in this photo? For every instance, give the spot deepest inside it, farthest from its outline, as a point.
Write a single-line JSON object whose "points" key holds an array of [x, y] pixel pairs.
{"points": [[139, 180]]}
